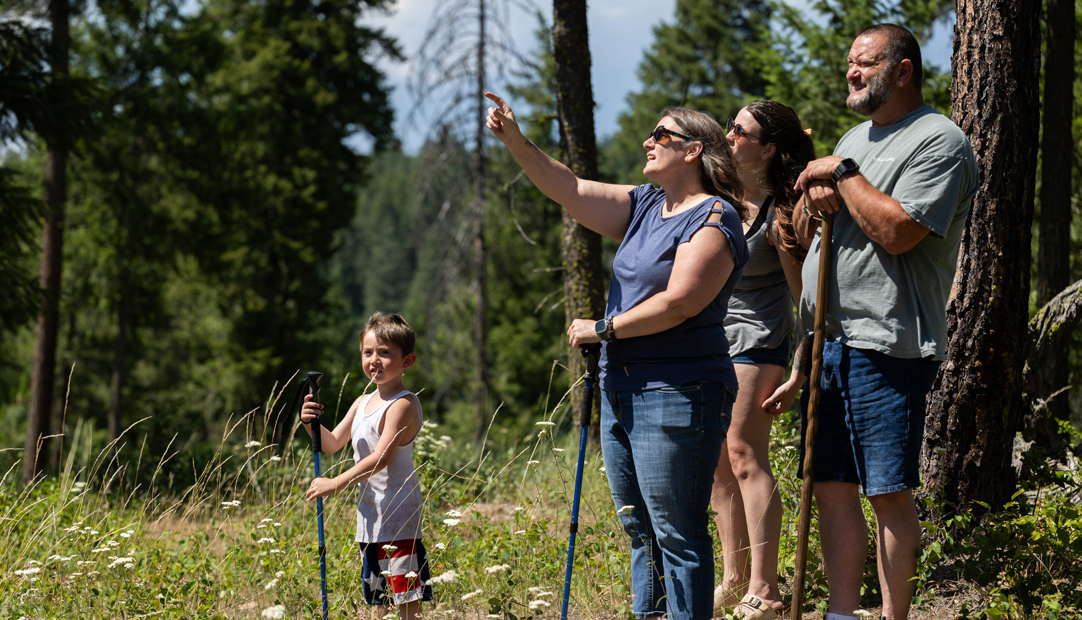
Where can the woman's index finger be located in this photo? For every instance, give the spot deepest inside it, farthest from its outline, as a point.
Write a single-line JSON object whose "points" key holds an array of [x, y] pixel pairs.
{"points": [[496, 99]]}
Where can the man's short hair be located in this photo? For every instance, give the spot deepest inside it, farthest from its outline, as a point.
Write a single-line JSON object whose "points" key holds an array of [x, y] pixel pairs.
{"points": [[391, 329], [901, 45]]}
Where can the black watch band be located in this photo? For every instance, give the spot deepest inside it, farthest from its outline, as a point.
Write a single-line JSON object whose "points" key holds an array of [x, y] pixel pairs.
{"points": [[845, 167]]}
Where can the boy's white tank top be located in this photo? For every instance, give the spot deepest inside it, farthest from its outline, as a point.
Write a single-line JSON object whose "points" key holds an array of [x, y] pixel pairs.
{"points": [[390, 502]]}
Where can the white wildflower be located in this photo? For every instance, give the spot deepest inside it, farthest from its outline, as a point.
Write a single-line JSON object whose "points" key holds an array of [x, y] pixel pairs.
{"points": [[265, 540], [86, 562], [429, 424], [101, 550], [33, 570], [74, 528], [276, 551], [127, 534], [76, 574], [276, 612], [454, 514], [624, 509], [447, 577], [267, 520], [452, 521], [252, 444], [385, 573], [411, 575], [390, 548], [113, 543], [79, 485], [92, 573], [270, 584], [279, 574], [519, 532], [276, 524], [129, 566], [557, 450], [275, 458], [518, 508], [260, 526], [469, 595], [601, 469], [540, 604], [119, 561], [532, 462], [497, 568], [441, 546], [544, 423], [233, 504]]}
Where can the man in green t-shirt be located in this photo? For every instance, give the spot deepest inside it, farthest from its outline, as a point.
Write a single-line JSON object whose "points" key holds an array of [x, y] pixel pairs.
{"points": [[900, 187]]}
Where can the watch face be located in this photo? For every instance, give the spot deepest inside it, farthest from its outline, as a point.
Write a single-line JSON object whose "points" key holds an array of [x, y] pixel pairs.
{"points": [[600, 327]]}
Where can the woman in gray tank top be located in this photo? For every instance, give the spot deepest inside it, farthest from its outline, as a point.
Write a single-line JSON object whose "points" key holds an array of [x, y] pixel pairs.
{"points": [[771, 149]]}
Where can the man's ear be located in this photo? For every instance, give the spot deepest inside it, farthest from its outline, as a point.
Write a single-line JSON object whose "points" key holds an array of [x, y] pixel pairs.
{"points": [[905, 72], [409, 360]]}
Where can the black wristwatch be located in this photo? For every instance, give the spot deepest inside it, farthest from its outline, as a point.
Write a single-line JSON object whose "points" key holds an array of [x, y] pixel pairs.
{"points": [[844, 168], [601, 328]]}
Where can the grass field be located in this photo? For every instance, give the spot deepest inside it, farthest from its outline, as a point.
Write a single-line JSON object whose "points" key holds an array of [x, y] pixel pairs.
{"points": [[241, 543]]}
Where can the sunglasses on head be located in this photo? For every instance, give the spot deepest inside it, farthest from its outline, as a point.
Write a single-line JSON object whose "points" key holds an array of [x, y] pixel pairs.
{"points": [[733, 126], [659, 134]]}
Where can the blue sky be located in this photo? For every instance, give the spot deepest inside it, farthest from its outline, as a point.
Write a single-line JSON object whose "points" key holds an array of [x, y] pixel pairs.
{"points": [[620, 30]]}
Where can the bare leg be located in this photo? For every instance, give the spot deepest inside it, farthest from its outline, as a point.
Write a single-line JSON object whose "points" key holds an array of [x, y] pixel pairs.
{"points": [[898, 534], [843, 533], [749, 446], [732, 527]]}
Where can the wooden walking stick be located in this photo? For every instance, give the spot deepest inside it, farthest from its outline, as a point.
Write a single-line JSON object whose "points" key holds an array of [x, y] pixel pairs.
{"points": [[818, 342]]}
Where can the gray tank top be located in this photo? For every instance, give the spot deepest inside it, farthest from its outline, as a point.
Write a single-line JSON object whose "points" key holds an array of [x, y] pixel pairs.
{"points": [[761, 309]]}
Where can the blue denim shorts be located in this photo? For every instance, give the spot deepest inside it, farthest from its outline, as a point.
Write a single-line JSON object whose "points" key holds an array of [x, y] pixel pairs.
{"points": [[871, 418], [779, 355]]}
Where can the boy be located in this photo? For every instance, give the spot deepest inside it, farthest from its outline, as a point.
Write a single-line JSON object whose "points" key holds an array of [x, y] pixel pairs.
{"points": [[382, 427]]}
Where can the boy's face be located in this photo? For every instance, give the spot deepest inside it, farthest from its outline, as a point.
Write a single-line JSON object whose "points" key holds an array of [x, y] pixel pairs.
{"points": [[382, 362]]}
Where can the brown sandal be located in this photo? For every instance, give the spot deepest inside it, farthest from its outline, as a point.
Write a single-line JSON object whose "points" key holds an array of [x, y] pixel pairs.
{"points": [[752, 607]]}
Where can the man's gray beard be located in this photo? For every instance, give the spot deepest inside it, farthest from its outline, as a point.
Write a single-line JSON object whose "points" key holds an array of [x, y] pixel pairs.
{"points": [[880, 89]]}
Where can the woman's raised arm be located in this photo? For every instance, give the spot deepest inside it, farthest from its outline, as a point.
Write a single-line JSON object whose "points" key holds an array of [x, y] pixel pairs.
{"points": [[602, 207]]}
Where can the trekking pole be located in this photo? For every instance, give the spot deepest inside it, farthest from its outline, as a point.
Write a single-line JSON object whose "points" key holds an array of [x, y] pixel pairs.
{"points": [[818, 342], [591, 352], [310, 385]]}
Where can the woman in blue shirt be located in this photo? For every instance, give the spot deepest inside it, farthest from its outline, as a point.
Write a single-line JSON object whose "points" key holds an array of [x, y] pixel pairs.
{"points": [[668, 385]]}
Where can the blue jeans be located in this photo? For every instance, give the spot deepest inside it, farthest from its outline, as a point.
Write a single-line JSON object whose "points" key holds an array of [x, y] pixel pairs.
{"points": [[871, 418], [661, 448]]}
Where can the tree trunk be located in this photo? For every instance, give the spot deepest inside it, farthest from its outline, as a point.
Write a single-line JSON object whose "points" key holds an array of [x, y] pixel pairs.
{"points": [[1057, 150], [480, 331], [1049, 333], [45, 334], [583, 276], [120, 346], [975, 406]]}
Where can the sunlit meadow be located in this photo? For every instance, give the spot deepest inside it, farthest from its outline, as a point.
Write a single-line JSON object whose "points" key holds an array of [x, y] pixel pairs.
{"points": [[241, 542]]}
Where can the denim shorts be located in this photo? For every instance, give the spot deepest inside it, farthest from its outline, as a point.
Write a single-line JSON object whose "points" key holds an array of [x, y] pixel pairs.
{"points": [[661, 448], [871, 418], [779, 355]]}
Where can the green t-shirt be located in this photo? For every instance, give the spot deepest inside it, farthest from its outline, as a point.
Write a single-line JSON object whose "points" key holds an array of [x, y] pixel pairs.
{"points": [[897, 304]]}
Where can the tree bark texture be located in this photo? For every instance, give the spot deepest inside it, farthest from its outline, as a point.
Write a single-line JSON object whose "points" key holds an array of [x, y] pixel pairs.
{"points": [[975, 406], [480, 328], [1057, 149], [1049, 333], [584, 290], [43, 369]]}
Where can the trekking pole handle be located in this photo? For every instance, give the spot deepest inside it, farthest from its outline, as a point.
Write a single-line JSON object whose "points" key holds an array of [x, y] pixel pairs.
{"points": [[592, 353], [312, 381]]}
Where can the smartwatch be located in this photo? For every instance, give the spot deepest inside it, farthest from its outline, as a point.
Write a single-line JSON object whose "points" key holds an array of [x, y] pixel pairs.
{"points": [[844, 168], [601, 328]]}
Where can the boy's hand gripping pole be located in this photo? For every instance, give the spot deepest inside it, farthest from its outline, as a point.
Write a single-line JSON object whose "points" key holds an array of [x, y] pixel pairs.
{"points": [[591, 352], [310, 385], [812, 427]]}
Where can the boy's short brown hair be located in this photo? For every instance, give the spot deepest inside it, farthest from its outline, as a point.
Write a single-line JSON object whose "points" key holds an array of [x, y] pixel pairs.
{"points": [[390, 329]]}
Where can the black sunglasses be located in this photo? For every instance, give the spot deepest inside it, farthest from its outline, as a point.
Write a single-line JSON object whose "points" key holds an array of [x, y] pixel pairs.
{"points": [[660, 133], [733, 126]]}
